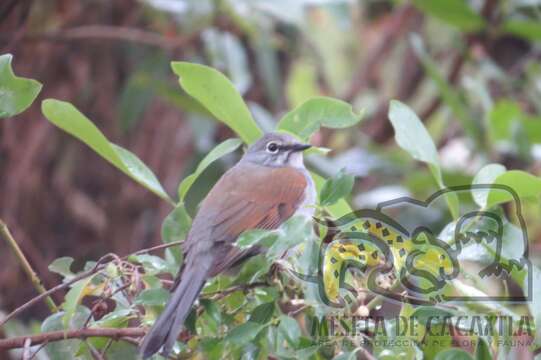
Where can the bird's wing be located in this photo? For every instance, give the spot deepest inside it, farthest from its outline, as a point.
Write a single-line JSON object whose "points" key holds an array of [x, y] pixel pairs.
{"points": [[246, 197]]}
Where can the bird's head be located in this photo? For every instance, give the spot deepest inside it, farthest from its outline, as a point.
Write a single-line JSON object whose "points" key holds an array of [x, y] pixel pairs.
{"points": [[277, 150]]}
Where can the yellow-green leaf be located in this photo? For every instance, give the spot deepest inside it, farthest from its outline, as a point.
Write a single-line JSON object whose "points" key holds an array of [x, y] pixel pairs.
{"points": [[219, 96], [68, 118], [16, 93]]}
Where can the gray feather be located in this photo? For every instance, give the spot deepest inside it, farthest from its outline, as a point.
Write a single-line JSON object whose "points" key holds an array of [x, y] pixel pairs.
{"points": [[168, 326]]}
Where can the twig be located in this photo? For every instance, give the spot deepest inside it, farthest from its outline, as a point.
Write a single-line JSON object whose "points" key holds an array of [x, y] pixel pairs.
{"points": [[154, 248], [96, 355], [18, 342], [6, 234], [27, 350]]}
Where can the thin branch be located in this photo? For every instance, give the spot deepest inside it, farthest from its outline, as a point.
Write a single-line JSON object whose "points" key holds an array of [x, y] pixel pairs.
{"points": [[217, 295], [18, 342], [6, 235], [100, 265], [157, 247], [35, 353], [114, 33]]}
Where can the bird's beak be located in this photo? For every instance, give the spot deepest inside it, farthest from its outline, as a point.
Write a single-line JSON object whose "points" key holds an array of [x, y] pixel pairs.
{"points": [[300, 147]]}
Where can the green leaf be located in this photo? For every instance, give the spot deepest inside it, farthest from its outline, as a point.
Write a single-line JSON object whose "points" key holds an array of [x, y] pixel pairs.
{"points": [[412, 136], [453, 354], [340, 208], [454, 12], [219, 151], [501, 117], [65, 349], [16, 93], [215, 92], [529, 30], [482, 352], [509, 123], [212, 348], [336, 188], [352, 355], [212, 309], [68, 118], [308, 117], [175, 227], [115, 319], [152, 264], [253, 237], [118, 318], [487, 175], [244, 333], [262, 314], [73, 299], [290, 329], [527, 186], [62, 266], [122, 350], [294, 231], [153, 297]]}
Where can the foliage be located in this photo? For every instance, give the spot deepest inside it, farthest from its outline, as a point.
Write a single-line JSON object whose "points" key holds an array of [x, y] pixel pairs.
{"points": [[259, 312]]}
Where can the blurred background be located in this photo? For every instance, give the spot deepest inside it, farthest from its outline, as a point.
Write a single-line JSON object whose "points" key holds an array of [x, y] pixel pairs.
{"points": [[470, 69]]}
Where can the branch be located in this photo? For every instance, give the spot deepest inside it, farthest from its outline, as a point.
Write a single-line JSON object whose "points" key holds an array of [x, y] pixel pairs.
{"points": [[6, 234], [18, 342], [114, 33], [100, 265]]}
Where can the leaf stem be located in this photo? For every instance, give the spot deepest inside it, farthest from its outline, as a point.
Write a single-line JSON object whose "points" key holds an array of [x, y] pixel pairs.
{"points": [[6, 234]]}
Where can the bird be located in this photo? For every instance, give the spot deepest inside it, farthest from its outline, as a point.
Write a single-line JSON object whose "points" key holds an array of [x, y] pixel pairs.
{"points": [[266, 187]]}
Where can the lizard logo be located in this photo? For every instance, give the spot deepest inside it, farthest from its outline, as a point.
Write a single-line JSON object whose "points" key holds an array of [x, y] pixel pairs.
{"points": [[416, 263]]}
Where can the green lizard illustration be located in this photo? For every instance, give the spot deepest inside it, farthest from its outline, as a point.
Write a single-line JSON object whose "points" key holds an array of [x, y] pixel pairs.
{"points": [[375, 241]]}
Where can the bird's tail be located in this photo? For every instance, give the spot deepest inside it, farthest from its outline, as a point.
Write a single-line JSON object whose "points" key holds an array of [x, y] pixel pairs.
{"points": [[167, 327]]}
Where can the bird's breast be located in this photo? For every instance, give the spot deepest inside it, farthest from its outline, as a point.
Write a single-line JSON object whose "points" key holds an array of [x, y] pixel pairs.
{"points": [[307, 206]]}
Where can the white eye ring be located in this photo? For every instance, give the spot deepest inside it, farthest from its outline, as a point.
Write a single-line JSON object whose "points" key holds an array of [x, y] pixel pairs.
{"points": [[272, 147]]}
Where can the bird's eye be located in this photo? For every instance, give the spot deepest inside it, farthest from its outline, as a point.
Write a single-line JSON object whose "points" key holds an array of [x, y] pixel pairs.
{"points": [[272, 147]]}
